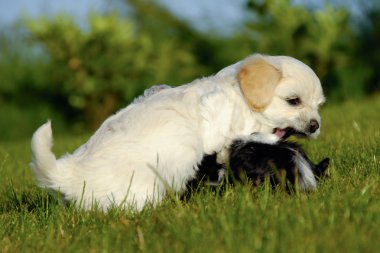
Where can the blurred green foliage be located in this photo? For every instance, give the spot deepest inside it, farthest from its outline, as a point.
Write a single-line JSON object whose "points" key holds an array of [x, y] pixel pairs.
{"points": [[85, 72], [95, 68]]}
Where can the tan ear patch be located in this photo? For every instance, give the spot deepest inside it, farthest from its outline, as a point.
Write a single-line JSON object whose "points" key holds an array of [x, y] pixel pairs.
{"points": [[258, 80]]}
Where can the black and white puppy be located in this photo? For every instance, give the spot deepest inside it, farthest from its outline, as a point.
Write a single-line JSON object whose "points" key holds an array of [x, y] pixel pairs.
{"points": [[257, 161]]}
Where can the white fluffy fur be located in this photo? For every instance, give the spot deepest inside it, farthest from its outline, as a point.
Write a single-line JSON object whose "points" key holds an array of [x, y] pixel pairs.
{"points": [[157, 142], [306, 180]]}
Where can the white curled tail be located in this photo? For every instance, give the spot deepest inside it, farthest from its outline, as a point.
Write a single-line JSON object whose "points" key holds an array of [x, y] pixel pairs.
{"points": [[44, 162]]}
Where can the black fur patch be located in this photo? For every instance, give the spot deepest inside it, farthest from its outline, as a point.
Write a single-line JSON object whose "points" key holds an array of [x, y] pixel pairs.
{"points": [[256, 162]]}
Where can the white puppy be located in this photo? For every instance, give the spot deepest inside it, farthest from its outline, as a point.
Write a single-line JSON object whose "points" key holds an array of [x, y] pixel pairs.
{"points": [[157, 142]]}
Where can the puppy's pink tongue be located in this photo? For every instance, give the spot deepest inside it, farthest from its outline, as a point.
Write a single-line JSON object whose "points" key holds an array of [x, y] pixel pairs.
{"points": [[279, 132]]}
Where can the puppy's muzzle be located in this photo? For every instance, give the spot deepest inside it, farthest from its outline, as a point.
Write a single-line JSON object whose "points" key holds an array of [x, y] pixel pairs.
{"points": [[308, 131], [313, 126]]}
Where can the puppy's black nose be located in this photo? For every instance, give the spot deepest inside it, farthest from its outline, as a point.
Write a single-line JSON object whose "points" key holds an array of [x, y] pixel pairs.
{"points": [[314, 125]]}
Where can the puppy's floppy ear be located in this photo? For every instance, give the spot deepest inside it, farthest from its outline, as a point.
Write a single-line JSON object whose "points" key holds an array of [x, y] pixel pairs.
{"points": [[258, 80], [320, 168]]}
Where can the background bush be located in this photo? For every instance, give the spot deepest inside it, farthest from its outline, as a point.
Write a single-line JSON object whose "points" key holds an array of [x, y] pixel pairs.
{"points": [[80, 74]]}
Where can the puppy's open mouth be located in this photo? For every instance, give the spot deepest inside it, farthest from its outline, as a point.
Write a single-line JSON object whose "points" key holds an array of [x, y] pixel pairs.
{"points": [[283, 134]]}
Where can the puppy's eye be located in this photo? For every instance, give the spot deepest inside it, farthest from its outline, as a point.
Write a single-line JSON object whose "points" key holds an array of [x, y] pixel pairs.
{"points": [[294, 101]]}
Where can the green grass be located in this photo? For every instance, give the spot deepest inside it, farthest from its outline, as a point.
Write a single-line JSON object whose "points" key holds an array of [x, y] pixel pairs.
{"points": [[343, 215]]}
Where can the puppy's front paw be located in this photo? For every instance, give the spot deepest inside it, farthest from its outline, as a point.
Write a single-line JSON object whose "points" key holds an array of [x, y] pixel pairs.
{"points": [[264, 138]]}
